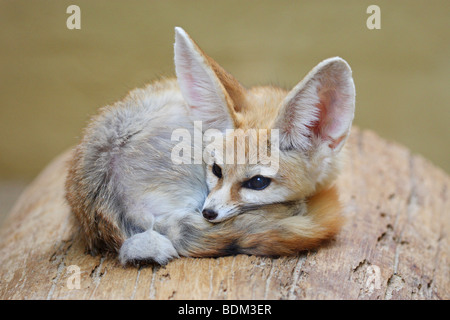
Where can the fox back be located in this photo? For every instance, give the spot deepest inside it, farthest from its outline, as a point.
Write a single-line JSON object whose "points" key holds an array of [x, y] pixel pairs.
{"points": [[131, 197]]}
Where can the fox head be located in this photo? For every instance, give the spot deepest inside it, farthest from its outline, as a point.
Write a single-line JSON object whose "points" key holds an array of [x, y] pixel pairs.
{"points": [[303, 130]]}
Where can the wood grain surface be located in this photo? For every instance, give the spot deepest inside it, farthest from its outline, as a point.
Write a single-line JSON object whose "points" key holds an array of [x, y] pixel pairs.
{"points": [[394, 244]]}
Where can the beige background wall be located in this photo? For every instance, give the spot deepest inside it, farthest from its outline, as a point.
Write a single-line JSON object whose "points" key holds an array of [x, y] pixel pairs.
{"points": [[52, 79]]}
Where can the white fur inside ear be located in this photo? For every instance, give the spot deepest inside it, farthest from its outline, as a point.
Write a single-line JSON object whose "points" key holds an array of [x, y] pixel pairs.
{"points": [[320, 109], [199, 85]]}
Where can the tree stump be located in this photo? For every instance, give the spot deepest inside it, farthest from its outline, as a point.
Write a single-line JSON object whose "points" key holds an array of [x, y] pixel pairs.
{"points": [[394, 244]]}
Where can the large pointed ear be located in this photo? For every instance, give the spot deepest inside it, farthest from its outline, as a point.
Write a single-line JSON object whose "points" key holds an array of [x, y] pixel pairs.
{"points": [[319, 110], [212, 94]]}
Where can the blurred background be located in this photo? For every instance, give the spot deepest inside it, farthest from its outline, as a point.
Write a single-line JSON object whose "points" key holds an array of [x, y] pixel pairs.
{"points": [[53, 79]]}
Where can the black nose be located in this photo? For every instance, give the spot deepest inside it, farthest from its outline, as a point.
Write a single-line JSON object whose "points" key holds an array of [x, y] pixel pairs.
{"points": [[209, 214]]}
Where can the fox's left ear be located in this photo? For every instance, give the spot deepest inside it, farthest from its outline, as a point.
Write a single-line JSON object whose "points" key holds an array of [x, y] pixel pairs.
{"points": [[319, 110]]}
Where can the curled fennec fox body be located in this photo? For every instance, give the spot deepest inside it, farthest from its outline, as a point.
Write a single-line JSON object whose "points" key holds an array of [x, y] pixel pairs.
{"points": [[132, 198]]}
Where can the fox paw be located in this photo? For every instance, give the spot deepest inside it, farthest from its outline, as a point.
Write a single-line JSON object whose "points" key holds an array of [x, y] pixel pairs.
{"points": [[147, 246]]}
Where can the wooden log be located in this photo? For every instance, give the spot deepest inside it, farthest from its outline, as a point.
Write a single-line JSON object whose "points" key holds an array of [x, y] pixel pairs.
{"points": [[394, 244]]}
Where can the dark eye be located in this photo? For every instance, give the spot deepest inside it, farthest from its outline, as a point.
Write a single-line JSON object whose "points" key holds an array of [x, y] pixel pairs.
{"points": [[257, 183], [217, 171]]}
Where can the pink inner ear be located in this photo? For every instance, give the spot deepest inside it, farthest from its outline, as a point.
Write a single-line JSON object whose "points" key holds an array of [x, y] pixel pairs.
{"points": [[316, 126], [329, 126], [191, 87], [188, 80]]}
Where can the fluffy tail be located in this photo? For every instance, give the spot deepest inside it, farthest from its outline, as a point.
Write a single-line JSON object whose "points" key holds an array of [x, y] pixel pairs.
{"points": [[271, 234]]}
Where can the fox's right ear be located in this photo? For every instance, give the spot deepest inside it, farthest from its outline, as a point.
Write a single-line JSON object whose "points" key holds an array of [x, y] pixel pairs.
{"points": [[318, 112], [198, 78]]}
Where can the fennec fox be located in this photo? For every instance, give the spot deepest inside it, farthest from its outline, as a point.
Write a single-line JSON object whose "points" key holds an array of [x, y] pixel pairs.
{"points": [[131, 197]]}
